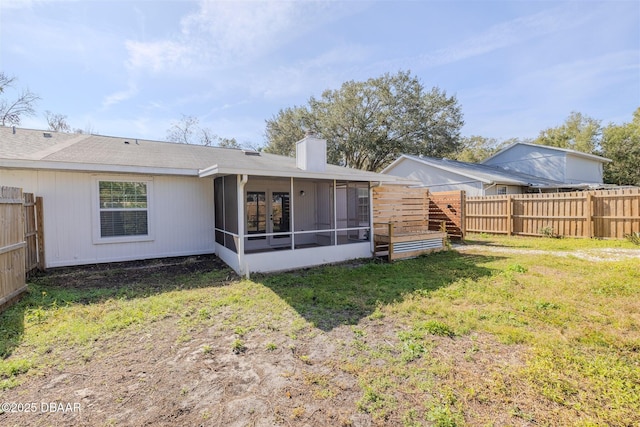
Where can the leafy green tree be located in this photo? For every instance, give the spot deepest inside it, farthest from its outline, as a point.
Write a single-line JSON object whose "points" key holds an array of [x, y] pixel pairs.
{"points": [[369, 124], [474, 149], [578, 132], [622, 145], [285, 129], [13, 110]]}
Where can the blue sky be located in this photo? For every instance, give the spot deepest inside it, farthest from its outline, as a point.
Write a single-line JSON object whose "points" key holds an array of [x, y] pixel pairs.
{"points": [[130, 68]]}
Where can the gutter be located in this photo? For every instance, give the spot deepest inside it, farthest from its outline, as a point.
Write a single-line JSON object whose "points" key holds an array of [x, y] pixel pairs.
{"points": [[90, 167]]}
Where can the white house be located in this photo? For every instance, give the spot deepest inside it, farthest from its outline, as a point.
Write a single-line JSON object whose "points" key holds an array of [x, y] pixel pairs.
{"points": [[519, 168], [109, 199]]}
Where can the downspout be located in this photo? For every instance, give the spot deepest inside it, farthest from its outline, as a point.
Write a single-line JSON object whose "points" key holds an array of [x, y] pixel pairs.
{"points": [[292, 215], [244, 269]]}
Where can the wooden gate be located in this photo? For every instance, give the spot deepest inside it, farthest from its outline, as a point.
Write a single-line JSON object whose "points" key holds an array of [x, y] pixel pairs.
{"points": [[33, 233]]}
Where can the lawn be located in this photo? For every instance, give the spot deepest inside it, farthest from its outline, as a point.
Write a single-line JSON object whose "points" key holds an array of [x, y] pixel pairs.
{"points": [[475, 337]]}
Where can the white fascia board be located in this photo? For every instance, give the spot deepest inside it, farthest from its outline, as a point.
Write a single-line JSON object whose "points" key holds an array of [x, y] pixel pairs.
{"points": [[90, 167], [217, 170], [394, 163], [589, 156]]}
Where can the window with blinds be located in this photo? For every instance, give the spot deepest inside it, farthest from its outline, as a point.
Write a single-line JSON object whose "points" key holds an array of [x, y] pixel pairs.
{"points": [[123, 208]]}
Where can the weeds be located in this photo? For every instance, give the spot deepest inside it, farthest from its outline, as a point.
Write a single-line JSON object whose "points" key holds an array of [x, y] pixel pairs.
{"points": [[633, 237], [238, 346]]}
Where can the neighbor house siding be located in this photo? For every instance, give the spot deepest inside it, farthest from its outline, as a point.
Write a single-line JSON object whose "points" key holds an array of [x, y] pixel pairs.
{"points": [[537, 161], [581, 170], [492, 190], [181, 216], [436, 179]]}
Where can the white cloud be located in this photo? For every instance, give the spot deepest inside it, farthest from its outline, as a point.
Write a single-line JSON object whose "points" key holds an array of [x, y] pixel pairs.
{"points": [[120, 96], [527, 103], [510, 33], [224, 34], [158, 56]]}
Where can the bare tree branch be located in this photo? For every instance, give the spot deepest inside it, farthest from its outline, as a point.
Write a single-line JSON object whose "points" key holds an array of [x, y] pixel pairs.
{"points": [[57, 122]]}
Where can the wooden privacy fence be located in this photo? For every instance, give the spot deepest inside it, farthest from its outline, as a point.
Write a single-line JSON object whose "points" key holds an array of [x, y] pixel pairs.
{"points": [[602, 213], [12, 245], [21, 241], [401, 223], [448, 207]]}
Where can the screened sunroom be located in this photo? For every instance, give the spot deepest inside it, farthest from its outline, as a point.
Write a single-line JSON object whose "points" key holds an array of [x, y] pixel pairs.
{"points": [[274, 213], [273, 223]]}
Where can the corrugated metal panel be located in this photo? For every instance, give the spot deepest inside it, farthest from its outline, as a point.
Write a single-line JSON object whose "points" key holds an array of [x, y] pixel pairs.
{"points": [[417, 245]]}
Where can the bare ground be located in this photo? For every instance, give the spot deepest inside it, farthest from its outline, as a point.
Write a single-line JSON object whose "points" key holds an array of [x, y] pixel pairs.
{"points": [[153, 377]]}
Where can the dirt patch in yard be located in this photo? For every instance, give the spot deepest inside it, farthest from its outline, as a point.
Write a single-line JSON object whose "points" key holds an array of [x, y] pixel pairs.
{"points": [[596, 254], [155, 376]]}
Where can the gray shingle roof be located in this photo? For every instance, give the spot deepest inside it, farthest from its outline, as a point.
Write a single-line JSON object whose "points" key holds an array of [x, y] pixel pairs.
{"points": [[487, 174], [31, 148]]}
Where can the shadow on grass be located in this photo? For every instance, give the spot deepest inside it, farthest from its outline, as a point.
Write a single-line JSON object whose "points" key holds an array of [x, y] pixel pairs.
{"points": [[336, 295], [97, 283]]}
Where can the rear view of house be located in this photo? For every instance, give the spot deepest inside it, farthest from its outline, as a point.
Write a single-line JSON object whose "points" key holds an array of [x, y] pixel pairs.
{"points": [[112, 199]]}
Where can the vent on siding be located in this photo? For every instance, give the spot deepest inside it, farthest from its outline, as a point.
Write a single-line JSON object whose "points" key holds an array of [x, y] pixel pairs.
{"points": [[46, 134], [251, 153]]}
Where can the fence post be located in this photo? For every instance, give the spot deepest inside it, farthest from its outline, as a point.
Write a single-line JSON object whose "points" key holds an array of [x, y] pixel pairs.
{"points": [[509, 215], [463, 214], [390, 241], [40, 233], [590, 213]]}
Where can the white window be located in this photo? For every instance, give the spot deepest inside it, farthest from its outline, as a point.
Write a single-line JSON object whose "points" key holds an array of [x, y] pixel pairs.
{"points": [[501, 190], [122, 213]]}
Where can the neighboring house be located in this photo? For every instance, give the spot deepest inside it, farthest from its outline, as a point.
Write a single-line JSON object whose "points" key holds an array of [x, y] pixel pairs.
{"points": [[558, 164], [475, 179], [112, 199], [537, 170]]}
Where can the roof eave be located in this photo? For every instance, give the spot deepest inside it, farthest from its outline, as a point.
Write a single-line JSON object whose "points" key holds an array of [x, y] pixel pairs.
{"points": [[91, 167], [221, 170]]}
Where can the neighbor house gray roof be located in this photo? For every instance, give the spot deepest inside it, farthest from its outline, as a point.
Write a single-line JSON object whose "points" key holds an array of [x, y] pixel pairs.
{"points": [[37, 149], [484, 173]]}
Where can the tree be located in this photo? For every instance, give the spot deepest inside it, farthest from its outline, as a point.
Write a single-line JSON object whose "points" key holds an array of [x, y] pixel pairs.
{"points": [[228, 143], [184, 130], [369, 124], [622, 145], [188, 131], [578, 132], [285, 129], [57, 122], [474, 149], [12, 111]]}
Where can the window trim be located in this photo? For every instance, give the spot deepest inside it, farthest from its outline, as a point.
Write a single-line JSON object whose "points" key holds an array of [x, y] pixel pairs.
{"points": [[95, 206]]}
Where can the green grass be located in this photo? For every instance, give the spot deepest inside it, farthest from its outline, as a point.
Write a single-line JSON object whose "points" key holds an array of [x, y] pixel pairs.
{"points": [[544, 243], [573, 324]]}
